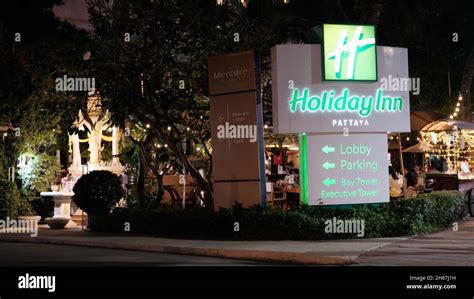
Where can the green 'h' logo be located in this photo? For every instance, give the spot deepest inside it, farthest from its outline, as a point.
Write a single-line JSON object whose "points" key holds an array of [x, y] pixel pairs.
{"points": [[349, 53]]}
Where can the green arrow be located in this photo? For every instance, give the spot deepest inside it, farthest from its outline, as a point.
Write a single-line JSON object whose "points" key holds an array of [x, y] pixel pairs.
{"points": [[328, 149], [327, 165], [328, 182]]}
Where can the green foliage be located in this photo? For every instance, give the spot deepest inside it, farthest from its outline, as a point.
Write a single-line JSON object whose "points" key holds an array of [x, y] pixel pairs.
{"points": [[43, 206], [11, 204], [427, 213], [168, 47], [97, 192], [39, 173]]}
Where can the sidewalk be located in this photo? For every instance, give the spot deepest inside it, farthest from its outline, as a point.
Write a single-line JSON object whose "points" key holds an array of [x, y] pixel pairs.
{"points": [[338, 252], [445, 248]]}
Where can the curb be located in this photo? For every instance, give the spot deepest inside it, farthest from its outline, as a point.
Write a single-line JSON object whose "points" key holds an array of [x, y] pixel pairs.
{"points": [[283, 257]]}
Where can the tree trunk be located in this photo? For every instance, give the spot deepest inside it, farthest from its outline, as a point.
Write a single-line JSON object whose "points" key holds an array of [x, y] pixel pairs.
{"points": [[160, 190], [466, 82], [141, 180], [202, 183]]}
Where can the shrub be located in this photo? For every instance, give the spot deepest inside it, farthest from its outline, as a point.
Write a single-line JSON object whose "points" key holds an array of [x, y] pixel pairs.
{"points": [[42, 206], [10, 201], [97, 192], [427, 213], [39, 173]]}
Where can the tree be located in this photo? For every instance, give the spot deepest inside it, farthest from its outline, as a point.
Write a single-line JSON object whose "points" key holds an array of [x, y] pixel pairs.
{"points": [[157, 53], [31, 58]]}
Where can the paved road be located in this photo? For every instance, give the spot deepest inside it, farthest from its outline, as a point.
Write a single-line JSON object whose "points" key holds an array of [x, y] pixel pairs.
{"points": [[27, 254], [446, 248]]}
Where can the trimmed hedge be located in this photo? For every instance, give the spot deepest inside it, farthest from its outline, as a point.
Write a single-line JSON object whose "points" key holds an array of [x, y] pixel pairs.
{"points": [[11, 203], [427, 213], [97, 192]]}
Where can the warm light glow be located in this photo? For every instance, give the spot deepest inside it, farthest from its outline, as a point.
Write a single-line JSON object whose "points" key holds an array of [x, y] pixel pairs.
{"points": [[169, 128], [166, 145], [187, 129], [147, 126], [451, 117], [458, 104], [455, 114], [408, 138], [265, 126], [457, 110], [460, 98]]}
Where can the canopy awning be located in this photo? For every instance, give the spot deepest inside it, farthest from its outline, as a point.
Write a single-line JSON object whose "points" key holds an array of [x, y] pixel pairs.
{"points": [[417, 148], [447, 125], [419, 119]]}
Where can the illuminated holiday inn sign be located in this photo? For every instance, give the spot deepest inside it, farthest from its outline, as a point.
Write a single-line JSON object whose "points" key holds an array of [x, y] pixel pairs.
{"points": [[303, 102], [329, 101], [349, 53]]}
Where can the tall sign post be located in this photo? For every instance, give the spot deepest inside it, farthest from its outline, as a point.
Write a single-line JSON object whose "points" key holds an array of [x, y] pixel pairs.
{"points": [[236, 130], [333, 97]]}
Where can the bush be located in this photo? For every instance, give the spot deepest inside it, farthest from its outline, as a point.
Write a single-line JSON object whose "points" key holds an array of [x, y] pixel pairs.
{"points": [[39, 173], [42, 206], [10, 201], [427, 213], [97, 192]]}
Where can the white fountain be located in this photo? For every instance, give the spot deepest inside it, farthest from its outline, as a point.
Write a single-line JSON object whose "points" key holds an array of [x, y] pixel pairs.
{"points": [[96, 121]]}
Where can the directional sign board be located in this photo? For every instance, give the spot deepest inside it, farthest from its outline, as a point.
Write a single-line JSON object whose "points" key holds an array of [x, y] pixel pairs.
{"points": [[347, 169]]}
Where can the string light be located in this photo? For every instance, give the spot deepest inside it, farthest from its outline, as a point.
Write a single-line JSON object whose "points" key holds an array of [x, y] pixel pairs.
{"points": [[456, 110]]}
